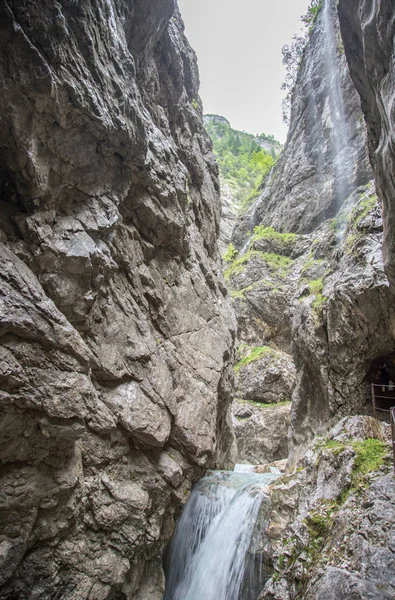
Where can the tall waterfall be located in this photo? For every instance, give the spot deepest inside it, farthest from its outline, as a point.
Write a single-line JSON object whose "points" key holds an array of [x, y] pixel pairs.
{"points": [[213, 552], [340, 138]]}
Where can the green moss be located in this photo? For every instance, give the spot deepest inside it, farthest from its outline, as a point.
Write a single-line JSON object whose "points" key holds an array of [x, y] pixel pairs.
{"points": [[248, 200], [310, 264], [282, 403], [239, 293], [276, 263], [249, 288], [340, 45], [339, 222], [361, 210], [264, 404], [316, 286], [352, 245], [255, 354], [318, 306], [370, 455], [268, 233], [318, 524]]}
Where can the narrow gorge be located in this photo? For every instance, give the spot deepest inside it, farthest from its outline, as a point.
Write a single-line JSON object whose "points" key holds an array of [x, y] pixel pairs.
{"points": [[136, 362]]}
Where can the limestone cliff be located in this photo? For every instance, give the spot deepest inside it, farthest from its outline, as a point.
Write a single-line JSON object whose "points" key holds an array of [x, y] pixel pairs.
{"points": [[325, 156], [331, 521], [116, 333], [368, 30], [309, 279]]}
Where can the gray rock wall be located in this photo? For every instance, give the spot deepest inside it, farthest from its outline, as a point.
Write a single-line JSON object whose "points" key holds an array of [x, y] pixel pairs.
{"points": [[116, 333], [325, 156], [368, 29], [331, 521], [322, 292]]}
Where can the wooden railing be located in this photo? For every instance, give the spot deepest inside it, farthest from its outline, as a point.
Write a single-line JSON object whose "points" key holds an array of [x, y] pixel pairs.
{"points": [[383, 398]]}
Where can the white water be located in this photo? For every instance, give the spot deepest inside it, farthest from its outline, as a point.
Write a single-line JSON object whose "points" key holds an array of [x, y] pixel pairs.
{"points": [[212, 552], [244, 468], [340, 134]]}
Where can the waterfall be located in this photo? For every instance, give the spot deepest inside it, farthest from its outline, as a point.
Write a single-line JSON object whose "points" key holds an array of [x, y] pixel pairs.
{"points": [[213, 553], [335, 110]]}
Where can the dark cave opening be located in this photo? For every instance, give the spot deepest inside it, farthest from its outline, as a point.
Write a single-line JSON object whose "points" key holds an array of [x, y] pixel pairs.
{"points": [[381, 376]]}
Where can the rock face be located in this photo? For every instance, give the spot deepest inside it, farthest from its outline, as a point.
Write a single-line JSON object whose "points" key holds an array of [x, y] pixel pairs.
{"points": [[261, 431], [305, 284], [325, 157], [368, 30], [116, 333], [229, 212], [242, 159], [331, 522], [326, 296], [270, 378]]}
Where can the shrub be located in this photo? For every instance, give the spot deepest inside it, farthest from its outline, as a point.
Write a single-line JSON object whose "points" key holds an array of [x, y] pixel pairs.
{"points": [[230, 253]]}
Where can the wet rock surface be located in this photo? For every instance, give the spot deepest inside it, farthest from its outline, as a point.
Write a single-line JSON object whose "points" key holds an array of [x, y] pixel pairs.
{"points": [[261, 431], [309, 279], [325, 157], [368, 30], [332, 519], [270, 378], [116, 333], [322, 300]]}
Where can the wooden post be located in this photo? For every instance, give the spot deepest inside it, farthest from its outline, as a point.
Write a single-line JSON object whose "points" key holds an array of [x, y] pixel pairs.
{"points": [[374, 402]]}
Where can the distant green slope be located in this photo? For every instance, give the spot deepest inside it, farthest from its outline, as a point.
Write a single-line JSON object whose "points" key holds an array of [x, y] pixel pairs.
{"points": [[243, 158]]}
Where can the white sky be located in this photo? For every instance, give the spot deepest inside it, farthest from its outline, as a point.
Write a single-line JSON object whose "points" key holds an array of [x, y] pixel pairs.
{"points": [[238, 44]]}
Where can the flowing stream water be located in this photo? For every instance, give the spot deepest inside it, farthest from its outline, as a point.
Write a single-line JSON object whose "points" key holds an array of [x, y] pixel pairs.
{"points": [[214, 553]]}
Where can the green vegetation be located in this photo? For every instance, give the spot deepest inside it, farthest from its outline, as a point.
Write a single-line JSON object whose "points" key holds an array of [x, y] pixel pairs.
{"points": [[310, 264], [249, 199], [293, 54], [361, 210], [268, 233], [241, 293], [318, 524], [316, 286], [309, 18], [339, 222], [242, 162], [230, 253], [318, 306], [276, 262], [264, 404], [370, 454], [356, 229], [253, 355], [351, 243], [267, 283]]}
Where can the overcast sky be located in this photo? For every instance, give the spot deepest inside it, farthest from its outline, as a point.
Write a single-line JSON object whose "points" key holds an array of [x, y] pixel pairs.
{"points": [[238, 44]]}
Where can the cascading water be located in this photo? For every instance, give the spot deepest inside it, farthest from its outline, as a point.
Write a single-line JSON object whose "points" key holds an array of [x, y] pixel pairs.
{"points": [[213, 552], [340, 131]]}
